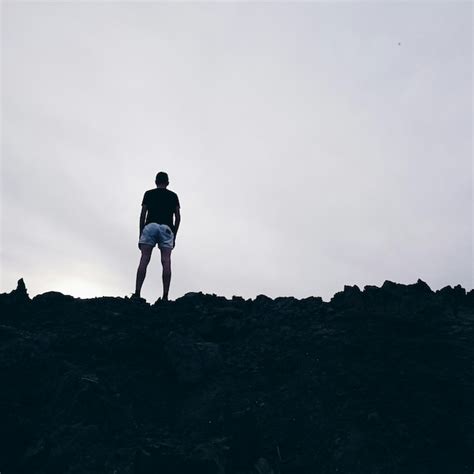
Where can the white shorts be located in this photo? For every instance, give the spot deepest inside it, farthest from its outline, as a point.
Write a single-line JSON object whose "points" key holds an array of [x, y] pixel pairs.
{"points": [[160, 234]]}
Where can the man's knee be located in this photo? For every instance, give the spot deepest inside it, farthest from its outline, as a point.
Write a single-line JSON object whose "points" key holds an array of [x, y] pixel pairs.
{"points": [[145, 260], [166, 257]]}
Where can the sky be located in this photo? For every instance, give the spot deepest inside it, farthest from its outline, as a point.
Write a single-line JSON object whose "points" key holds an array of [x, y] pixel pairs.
{"points": [[312, 145]]}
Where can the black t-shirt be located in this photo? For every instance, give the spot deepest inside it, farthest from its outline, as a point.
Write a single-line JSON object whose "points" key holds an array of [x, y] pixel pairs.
{"points": [[161, 204]]}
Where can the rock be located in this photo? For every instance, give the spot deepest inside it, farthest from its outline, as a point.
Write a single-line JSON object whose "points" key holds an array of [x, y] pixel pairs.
{"points": [[390, 285], [245, 442], [53, 298], [312, 301], [349, 298], [75, 444], [214, 452], [420, 287], [350, 447], [192, 294], [221, 324], [262, 300], [190, 360], [263, 467], [393, 296], [21, 293], [454, 297], [36, 455], [238, 299], [156, 460], [470, 298], [18, 296], [214, 386]]}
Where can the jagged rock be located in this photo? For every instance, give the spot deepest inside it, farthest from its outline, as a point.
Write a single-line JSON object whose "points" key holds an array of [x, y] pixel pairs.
{"points": [[19, 296], [454, 297], [350, 297], [470, 298], [391, 285], [421, 287], [403, 299], [21, 293]]}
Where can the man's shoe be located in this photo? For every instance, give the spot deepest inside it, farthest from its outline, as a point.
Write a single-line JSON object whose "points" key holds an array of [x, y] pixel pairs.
{"points": [[161, 302], [135, 297]]}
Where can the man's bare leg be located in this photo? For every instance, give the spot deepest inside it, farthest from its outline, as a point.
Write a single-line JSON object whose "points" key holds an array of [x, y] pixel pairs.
{"points": [[166, 262], [141, 272]]}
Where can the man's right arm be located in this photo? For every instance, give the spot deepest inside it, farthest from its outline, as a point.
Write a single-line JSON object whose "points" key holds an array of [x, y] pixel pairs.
{"points": [[143, 213], [142, 219]]}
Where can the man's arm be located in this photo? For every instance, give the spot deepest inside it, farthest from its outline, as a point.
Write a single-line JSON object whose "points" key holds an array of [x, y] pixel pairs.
{"points": [[177, 220], [142, 218]]}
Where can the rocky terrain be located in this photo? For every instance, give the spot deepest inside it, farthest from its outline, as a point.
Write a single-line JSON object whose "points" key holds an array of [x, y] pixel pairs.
{"points": [[376, 381]]}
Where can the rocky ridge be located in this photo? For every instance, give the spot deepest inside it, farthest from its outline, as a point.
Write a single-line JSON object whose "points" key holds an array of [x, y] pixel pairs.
{"points": [[376, 381]]}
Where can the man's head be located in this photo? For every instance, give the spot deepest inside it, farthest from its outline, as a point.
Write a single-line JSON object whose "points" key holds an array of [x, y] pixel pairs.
{"points": [[162, 179]]}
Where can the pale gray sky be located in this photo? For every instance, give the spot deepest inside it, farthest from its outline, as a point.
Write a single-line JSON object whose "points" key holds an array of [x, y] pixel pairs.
{"points": [[312, 145]]}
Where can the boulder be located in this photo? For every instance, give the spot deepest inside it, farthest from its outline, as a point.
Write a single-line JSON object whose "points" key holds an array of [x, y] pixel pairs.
{"points": [[52, 298]]}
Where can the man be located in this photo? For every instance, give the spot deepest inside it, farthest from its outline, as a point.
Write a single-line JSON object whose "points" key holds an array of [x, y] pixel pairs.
{"points": [[157, 227]]}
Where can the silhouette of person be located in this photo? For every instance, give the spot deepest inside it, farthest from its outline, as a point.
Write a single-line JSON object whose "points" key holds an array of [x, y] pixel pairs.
{"points": [[159, 205]]}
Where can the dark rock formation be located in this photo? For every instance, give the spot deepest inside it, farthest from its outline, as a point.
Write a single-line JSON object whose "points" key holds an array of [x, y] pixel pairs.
{"points": [[377, 381], [17, 297]]}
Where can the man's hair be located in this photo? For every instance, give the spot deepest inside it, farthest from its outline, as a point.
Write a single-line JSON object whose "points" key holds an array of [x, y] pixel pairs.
{"points": [[162, 178]]}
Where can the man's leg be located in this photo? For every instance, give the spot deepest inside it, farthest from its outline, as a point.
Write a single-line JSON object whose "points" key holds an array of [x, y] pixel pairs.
{"points": [[166, 262], [141, 272]]}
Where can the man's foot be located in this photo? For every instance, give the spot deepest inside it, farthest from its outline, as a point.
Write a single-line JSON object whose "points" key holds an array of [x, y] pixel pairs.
{"points": [[161, 301], [136, 297]]}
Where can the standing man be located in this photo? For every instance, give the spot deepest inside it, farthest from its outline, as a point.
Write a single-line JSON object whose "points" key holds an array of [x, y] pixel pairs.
{"points": [[157, 227]]}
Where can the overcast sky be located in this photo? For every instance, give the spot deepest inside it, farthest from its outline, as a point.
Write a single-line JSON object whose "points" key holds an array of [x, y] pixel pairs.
{"points": [[312, 145]]}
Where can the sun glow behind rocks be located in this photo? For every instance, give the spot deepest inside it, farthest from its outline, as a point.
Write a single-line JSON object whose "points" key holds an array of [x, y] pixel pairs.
{"points": [[79, 287], [82, 281]]}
